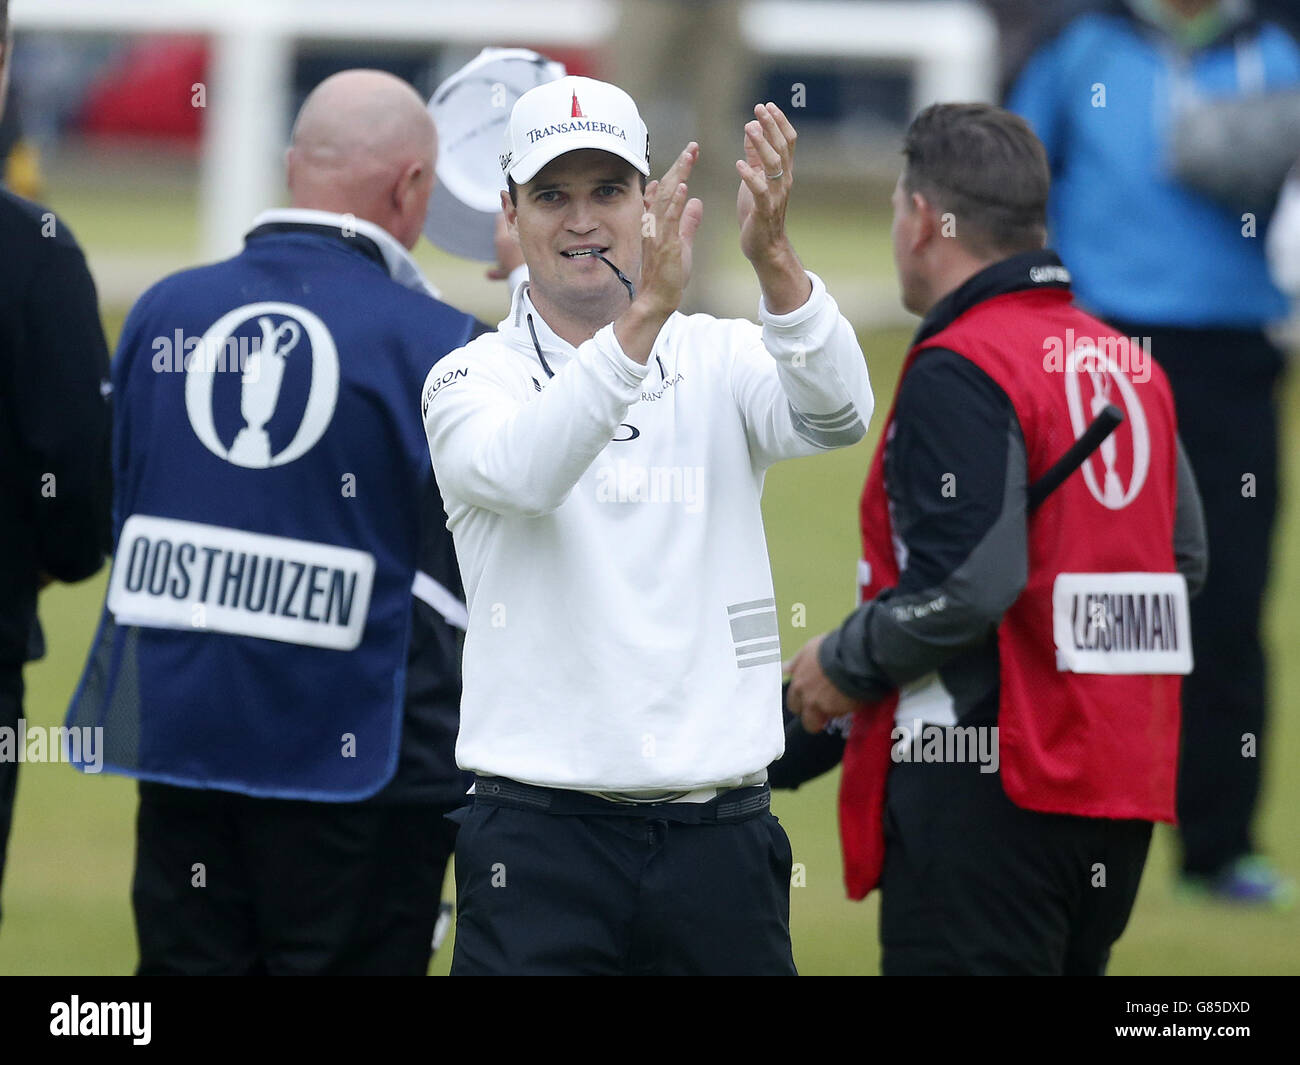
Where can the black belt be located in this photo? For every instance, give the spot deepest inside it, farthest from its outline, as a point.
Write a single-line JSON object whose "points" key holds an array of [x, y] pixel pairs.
{"points": [[738, 805]]}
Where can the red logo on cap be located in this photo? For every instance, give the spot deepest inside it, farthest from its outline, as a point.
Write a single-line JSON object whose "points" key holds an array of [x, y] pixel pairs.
{"points": [[577, 111]]}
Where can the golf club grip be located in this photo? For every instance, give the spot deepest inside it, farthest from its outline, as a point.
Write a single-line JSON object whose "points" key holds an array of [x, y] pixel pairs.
{"points": [[1102, 426]]}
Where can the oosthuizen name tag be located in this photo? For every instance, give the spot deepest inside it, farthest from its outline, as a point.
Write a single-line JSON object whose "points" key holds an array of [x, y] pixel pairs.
{"points": [[1121, 623], [186, 575]]}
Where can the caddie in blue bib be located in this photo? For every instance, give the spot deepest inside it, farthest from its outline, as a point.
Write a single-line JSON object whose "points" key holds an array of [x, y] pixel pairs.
{"points": [[269, 463]]}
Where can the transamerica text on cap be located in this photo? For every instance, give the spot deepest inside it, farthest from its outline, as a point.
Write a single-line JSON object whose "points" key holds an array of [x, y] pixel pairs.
{"points": [[534, 135]]}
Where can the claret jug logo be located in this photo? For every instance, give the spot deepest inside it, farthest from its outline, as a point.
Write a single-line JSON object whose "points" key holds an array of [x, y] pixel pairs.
{"points": [[1116, 471], [281, 404]]}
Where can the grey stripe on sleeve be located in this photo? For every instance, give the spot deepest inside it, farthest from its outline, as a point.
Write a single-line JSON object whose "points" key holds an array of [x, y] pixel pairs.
{"points": [[846, 415], [753, 626], [840, 436], [754, 631], [765, 660]]}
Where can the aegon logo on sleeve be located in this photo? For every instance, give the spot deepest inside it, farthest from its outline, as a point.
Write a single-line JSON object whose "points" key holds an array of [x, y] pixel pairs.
{"points": [[1121, 623], [186, 575], [438, 381]]}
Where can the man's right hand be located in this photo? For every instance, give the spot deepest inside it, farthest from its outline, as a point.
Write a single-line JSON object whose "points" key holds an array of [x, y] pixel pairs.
{"points": [[509, 255], [667, 234]]}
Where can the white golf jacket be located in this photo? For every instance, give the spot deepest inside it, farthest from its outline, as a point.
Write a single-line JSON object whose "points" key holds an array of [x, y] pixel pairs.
{"points": [[622, 626]]}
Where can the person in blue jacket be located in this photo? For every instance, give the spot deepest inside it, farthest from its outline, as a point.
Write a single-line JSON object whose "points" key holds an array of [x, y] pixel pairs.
{"points": [[1187, 274], [279, 657]]}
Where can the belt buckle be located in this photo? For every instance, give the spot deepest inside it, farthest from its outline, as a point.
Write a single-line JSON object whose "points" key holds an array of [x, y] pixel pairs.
{"points": [[627, 799]]}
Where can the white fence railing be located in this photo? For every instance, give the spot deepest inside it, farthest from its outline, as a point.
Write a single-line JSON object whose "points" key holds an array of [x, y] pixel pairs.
{"points": [[949, 44]]}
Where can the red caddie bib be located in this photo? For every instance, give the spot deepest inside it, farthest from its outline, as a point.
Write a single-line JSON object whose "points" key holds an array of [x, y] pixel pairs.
{"points": [[1093, 650]]}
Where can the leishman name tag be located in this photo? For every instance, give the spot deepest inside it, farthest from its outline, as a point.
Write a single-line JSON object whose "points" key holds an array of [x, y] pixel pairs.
{"points": [[1121, 623], [186, 575]]}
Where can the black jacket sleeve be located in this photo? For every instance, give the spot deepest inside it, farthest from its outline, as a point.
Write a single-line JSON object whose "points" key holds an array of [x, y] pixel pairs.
{"points": [[61, 408], [1191, 549], [955, 472], [807, 755], [956, 476], [965, 549]]}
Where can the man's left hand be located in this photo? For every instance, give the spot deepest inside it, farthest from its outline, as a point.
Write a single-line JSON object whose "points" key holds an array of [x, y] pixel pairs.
{"points": [[767, 175], [812, 696]]}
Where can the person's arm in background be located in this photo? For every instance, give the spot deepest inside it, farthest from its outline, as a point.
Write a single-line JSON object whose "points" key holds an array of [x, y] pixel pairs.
{"points": [[509, 266], [1284, 238], [1280, 53], [1191, 549], [62, 408], [807, 755]]}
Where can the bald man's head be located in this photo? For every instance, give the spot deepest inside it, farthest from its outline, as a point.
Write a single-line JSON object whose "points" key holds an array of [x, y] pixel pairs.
{"points": [[364, 144]]}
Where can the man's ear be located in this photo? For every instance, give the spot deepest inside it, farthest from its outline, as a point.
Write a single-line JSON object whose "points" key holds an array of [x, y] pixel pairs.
{"points": [[511, 213], [408, 184], [925, 222]]}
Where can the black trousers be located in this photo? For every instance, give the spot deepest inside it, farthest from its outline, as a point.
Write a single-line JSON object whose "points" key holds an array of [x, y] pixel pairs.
{"points": [[1224, 384], [974, 885], [608, 889], [226, 884], [11, 709]]}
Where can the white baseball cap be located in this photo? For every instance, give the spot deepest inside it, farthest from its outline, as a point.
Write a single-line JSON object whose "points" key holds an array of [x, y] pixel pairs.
{"points": [[470, 110], [568, 114]]}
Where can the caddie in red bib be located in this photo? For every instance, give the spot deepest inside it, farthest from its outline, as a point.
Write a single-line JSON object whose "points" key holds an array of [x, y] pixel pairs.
{"points": [[1010, 682]]}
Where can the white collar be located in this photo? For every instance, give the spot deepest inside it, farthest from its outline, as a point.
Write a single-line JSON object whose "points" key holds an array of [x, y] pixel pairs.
{"points": [[401, 267], [555, 348]]}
